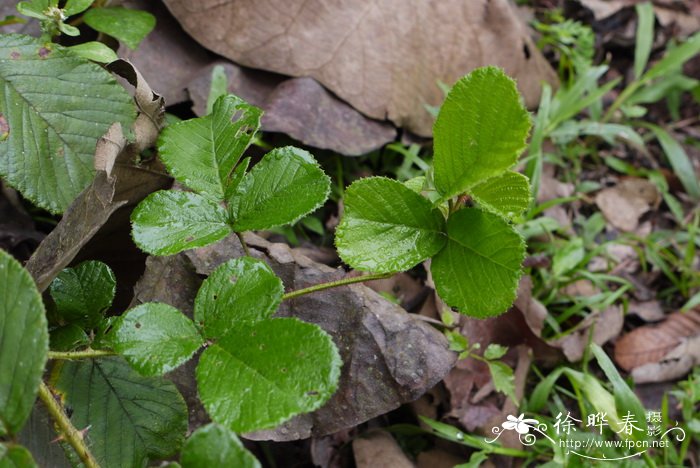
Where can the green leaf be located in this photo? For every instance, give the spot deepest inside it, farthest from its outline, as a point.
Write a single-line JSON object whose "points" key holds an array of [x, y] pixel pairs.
{"points": [[283, 187], [495, 351], [73, 7], [387, 226], [129, 26], [218, 88], [15, 456], [24, 343], [568, 257], [571, 129], [202, 153], [674, 58], [168, 221], [644, 37], [275, 368], [503, 380], [679, 160], [242, 290], [33, 9], [155, 338], [507, 195], [54, 106], [214, 445], [478, 270], [83, 293], [131, 418], [95, 51], [68, 338], [480, 131]]}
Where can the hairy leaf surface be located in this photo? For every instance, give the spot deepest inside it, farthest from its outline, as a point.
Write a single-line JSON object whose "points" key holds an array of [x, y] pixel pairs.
{"points": [[283, 187], [276, 368], [478, 270], [507, 195], [480, 131], [132, 418], [214, 445], [84, 292], [167, 222], [24, 343], [155, 338], [387, 226], [242, 290], [202, 153], [54, 106]]}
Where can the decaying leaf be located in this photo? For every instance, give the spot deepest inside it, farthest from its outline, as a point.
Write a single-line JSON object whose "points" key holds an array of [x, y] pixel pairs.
{"points": [[388, 356], [662, 351], [678, 14], [378, 448], [623, 204], [385, 58]]}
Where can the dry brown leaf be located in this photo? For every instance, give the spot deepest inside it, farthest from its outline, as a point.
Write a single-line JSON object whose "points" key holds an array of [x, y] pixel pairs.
{"points": [[437, 458], [679, 13], [385, 57], [649, 311], [652, 343], [678, 362], [378, 448], [625, 203]]}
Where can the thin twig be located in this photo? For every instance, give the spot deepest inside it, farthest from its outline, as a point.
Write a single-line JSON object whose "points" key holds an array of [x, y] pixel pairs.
{"points": [[335, 284]]}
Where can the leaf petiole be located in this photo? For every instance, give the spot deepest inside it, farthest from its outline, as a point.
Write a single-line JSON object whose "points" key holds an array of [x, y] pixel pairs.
{"points": [[84, 354], [335, 284]]}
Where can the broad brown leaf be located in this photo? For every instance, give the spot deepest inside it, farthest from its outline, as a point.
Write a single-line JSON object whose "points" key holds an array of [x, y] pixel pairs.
{"points": [[383, 57]]}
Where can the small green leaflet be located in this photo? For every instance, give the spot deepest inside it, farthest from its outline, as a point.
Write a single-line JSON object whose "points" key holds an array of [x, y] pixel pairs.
{"points": [[240, 290], [24, 344], [155, 338], [507, 195], [167, 222], [15, 456], [202, 153], [216, 446], [286, 185], [277, 368], [54, 106], [147, 414], [129, 26], [83, 293], [478, 270], [387, 226], [480, 131]]}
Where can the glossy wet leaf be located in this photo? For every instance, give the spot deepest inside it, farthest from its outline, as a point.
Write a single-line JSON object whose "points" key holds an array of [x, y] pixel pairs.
{"points": [[129, 26], [478, 270], [507, 195], [83, 293], [202, 153], [168, 222], [15, 456], [24, 343], [481, 129], [286, 185], [146, 415], [276, 368], [54, 106], [214, 445], [242, 290], [387, 227], [155, 338]]}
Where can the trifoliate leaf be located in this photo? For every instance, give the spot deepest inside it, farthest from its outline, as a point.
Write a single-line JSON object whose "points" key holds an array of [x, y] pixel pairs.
{"points": [[24, 343], [129, 26], [155, 338], [387, 227], [506, 195], [283, 187], [480, 131], [167, 222], [146, 415], [83, 293], [54, 106], [214, 445], [202, 153], [261, 374], [478, 270], [242, 290]]}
